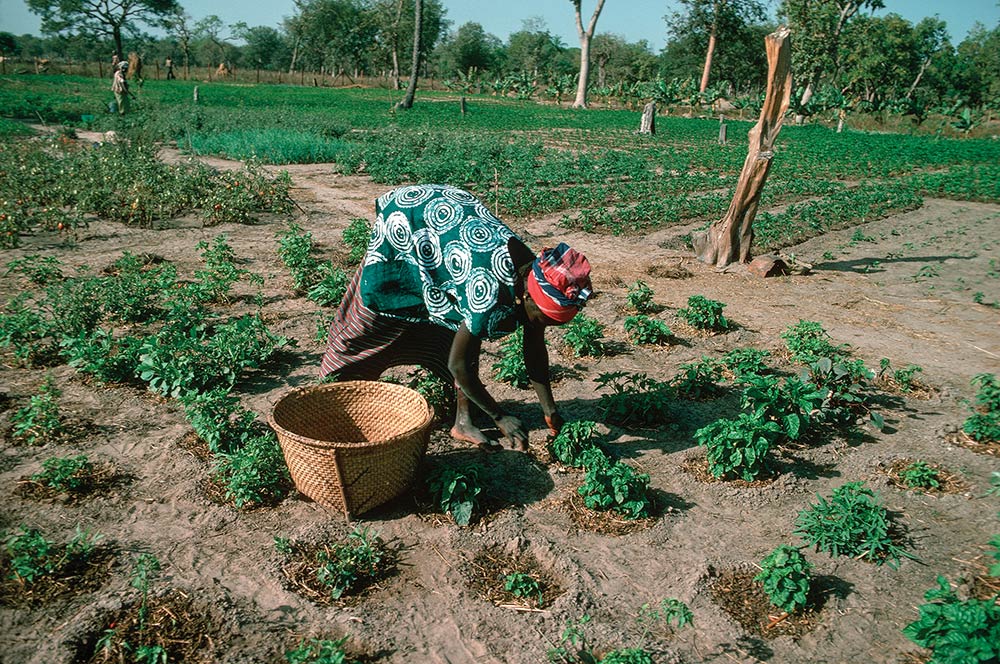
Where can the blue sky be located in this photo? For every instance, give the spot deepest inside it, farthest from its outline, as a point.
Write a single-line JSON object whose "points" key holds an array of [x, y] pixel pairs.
{"points": [[632, 19]]}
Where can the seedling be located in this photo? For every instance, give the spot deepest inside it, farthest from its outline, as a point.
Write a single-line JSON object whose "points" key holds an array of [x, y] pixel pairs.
{"points": [[919, 475], [355, 562], [147, 566], [995, 567], [634, 399], [356, 237], [852, 523], [704, 314], [64, 473], [575, 650], [510, 368], [902, 378], [524, 586], [573, 440], [319, 651], [456, 491], [32, 556], [583, 335], [644, 330], [37, 269], [640, 298], [670, 612], [738, 447], [807, 341], [785, 576], [40, 421], [617, 486], [956, 631]]}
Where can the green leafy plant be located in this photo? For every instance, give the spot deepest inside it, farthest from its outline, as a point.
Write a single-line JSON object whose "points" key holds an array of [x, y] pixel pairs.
{"points": [[38, 270], [807, 341], [575, 650], [672, 613], [919, 475], [984, 423], [25, 331], [846, 385], [509, 367], [295, 247], [633, 399], [219, 419], [146, 569], [103, 355], [704, 314], [795, 405], [644, 330], [572, 441], [852, 523], [617, 486], [627, 656], [746, 362], [583, 334], [785, 575], [216, 281], [738, 447], [994, 569], [956, 631], [40, 421], [904, 379], [456, 491], [353, 563], [524, 586], [319, 651], [356, 237], [330, 287], [32, 556], [134, 291], [65, 473], [254, 473], [697, 380], [640, 297]]}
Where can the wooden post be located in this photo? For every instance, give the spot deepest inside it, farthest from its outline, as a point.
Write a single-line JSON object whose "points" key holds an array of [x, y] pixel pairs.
{"points": [[722, 131], [196, 94], [728, 239], [648, 123], [461, 104]]}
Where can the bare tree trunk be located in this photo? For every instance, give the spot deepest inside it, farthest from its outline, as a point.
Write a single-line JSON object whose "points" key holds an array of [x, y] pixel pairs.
{"points": [[648, 123], [728, 240], [411, 88], [585, 37], [920, 75], [711, 48], [395, 46]]}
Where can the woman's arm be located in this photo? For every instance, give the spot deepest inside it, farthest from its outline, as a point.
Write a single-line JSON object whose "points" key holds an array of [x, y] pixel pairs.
{"points": [[536, 361], [463, 362]]}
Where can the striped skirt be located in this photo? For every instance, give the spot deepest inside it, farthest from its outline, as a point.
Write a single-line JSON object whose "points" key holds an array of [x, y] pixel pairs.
{"points": [[362, 344]]}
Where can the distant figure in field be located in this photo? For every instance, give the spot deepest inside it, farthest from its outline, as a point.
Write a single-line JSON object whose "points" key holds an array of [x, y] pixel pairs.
{"points": [[169, 64], [119, 86], [135, 66], [115, 61], [223, 70]]}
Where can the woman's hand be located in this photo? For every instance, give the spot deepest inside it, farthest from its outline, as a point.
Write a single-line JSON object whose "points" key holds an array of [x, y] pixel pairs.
{"points": [[514, 431], [555, 423]]}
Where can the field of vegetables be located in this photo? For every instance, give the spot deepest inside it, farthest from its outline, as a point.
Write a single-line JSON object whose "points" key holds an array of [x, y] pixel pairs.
{"points": [[755, 470]]}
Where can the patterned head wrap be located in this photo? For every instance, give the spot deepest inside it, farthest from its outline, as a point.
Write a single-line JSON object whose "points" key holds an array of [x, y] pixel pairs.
{"points": [[559, 282]]}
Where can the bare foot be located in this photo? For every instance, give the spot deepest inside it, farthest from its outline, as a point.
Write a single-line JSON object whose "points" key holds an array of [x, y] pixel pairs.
{"points": [[471, 434]]}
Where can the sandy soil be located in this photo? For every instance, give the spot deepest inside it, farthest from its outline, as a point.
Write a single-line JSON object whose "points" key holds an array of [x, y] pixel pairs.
{"points": [[870, 294]]}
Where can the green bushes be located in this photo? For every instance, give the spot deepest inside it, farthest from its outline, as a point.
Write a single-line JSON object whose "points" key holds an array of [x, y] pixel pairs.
{"points": [[956, 631], [704, 314], [613, 485], [785, 576], [738, 447], [456, 491], [984, 423]]}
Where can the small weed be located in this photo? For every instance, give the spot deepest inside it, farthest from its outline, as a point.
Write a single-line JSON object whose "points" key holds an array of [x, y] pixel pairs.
{"points": [[583, 334], [828, 256], [64, 473], [904, 378], [319, 651], [926, 272], [640, 298], [704, 314], [255, 473], [38, 270], [40, 421], [785, 576], [456, 491], [524, 586], [851, 523], [670, 612], [919, 475], [575, 650], [147, 567], [351, 564], [32, 556], [644, 330], [330, 286]]}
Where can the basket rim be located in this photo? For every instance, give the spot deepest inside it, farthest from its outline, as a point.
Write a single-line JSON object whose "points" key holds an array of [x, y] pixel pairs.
{"points": [[348, 385]]}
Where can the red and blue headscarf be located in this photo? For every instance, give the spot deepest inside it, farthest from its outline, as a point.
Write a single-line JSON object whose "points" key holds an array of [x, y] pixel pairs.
{"points": [[559, 282]]}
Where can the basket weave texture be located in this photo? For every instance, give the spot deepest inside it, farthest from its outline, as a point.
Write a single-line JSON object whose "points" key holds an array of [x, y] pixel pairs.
{"points": [[354, 445]]}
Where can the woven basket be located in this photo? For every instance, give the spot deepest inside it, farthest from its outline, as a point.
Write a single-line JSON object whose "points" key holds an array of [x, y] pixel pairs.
{"points": [[354, 445]]}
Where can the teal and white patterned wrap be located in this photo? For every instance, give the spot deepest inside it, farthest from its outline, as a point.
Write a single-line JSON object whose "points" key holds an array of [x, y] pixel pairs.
{"points": [[437, 254]]}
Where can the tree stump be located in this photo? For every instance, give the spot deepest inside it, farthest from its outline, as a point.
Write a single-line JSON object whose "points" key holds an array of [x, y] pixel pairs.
{"points": [[648, 123], [728, 239]]}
